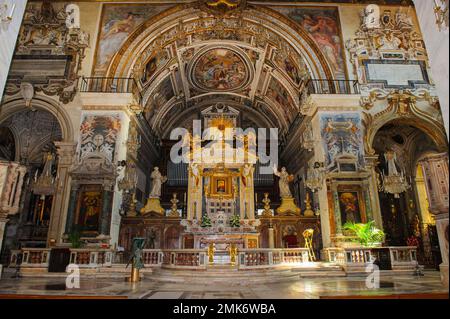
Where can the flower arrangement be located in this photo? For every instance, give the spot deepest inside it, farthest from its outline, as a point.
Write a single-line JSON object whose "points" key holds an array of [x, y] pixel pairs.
{"points": [[412, 241]]}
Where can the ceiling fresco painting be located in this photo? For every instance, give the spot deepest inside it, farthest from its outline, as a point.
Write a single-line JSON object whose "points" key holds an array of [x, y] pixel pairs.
{"points": [[324, 27], [220, 69], [259, 58], [117, 23]]}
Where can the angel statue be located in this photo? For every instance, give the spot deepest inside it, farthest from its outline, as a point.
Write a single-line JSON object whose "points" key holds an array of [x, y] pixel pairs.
{"points": [[285, 179], [157, 181]]}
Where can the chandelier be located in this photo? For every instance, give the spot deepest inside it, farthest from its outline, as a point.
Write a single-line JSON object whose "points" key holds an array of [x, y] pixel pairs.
{"points": [[44, 184], [394, 182]]}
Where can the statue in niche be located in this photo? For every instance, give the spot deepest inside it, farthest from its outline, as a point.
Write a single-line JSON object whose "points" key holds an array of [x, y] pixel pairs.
{"points": [[195, 174], [247, 175], [284, 181], [157, 180], [151, 238]]}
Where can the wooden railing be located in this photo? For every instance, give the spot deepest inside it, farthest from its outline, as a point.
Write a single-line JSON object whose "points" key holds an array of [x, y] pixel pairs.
{"points": [[267, 258]]}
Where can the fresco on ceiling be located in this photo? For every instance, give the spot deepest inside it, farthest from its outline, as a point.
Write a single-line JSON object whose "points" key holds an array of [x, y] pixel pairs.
{"points": [[163, 93], [278, 93], [221, 70], [324, 26], [341, 136], [117, 23], [290, 68], [153, 65], [99, 133]]}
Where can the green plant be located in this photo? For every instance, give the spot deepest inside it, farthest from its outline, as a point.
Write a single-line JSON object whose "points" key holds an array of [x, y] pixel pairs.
{"points": [[235, 221], [75, 238], [206, 221], [367, 234]]}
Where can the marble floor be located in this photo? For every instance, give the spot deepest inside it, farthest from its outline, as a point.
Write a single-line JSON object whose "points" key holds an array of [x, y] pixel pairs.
{"points": [[305, 288]]}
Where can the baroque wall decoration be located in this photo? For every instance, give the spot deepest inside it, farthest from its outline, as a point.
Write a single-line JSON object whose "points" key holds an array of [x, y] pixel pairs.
{"points": [[46, 45], [393, 50], [99, 134], [342, 136]]}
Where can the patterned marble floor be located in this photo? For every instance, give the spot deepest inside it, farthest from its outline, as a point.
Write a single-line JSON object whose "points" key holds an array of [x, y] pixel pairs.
{"points": [[298, 289]]}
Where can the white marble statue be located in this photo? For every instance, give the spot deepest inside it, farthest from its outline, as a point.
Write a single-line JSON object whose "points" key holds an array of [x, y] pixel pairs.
{"points": [[157, 181], [285, 178]]}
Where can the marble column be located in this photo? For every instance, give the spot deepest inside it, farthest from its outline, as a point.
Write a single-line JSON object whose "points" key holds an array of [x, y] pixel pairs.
{"points": [[105, 220], [437, 43], [271, 237], [337, 212], [367, 201], [3, 221], [325, 227], [66, 155], [70, 221], [371, 163], [435, 168]]}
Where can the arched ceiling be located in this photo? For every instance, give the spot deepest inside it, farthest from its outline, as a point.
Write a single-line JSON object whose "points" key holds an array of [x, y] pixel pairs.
{"points": [[186, 58]]}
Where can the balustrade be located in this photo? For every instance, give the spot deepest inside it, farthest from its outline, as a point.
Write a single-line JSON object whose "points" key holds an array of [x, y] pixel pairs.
{"points": [[399, 257], [266, 258]]}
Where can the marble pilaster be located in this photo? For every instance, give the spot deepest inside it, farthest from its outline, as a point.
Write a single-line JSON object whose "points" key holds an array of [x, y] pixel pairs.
{"points": [[71, 209], [66, 154]]}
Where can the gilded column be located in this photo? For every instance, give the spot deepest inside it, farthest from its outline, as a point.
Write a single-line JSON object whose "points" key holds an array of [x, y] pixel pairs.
{"points": [[66, 154]]}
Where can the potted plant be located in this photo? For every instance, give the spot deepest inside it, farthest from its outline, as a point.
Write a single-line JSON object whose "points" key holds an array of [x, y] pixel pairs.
{"points": [[367, 234], [75, 238]]}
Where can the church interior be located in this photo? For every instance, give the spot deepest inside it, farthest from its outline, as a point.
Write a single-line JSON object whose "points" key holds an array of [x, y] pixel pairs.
{"points": [[253, 141]]}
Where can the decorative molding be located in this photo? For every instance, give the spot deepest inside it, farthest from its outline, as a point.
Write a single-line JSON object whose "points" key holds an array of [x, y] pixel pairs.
{"points": [[47, 41]]}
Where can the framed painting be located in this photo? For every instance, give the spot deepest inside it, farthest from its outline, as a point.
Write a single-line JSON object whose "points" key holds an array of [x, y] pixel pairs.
{"points": [[90, 203], [351, 206]]}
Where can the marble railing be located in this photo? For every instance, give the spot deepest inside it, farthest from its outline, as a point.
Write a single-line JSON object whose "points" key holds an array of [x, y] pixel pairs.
{"points": [[91, 258], [267, 258], [403, 257], [83, 257], [35, 257], [184, 258], [397, 257]]}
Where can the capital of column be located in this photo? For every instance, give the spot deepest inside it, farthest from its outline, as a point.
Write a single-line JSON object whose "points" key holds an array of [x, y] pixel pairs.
{"points": [[66, 152]]}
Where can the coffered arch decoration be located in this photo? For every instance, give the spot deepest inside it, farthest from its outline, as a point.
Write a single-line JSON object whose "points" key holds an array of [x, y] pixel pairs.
{"points": [[405, 107], [258, 58], [15, 104]]}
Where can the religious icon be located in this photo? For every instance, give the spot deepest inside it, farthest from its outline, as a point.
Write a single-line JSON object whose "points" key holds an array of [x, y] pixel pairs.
{"points": [[90, 208], [349, 205], [220, 186]]}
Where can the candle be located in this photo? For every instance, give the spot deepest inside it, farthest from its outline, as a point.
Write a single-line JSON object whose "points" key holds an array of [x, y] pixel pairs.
{"points": [[12, 11]]}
